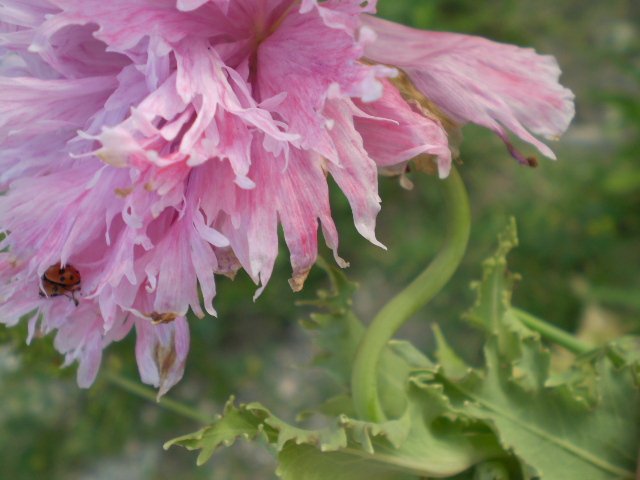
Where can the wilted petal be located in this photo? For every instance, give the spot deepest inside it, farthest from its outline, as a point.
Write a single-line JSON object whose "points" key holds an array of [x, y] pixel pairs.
{"points": [[161, 352], [472, 79]]}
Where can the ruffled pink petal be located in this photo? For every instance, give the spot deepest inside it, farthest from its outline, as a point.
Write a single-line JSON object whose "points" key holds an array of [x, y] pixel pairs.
{"points": [[339, 14], [252, 227], [246, 217], [472, 79], [356, 174], [393, 132], [80, 339], [32, 105], [185, 253], [303, 200], [122, 24], [309, 74], [293, 190]]}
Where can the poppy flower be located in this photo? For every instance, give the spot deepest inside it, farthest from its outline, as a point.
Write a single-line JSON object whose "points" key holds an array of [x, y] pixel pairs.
{"points": [[152, 145]]}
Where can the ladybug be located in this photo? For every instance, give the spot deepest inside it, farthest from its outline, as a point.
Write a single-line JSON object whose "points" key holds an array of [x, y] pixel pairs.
{"points": [[58, 280]]}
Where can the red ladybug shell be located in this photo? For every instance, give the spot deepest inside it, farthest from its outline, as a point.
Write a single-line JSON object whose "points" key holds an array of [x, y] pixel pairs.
{"points": [[67, 277], [58, 280]]}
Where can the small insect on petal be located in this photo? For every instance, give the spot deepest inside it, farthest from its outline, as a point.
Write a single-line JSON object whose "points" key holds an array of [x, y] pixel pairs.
{"points": [[60, 280], [160, 318]]}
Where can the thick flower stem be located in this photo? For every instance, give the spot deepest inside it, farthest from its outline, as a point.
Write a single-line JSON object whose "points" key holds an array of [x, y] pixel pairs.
{"points": [[364, 379], [553, 333], [151, 395]]}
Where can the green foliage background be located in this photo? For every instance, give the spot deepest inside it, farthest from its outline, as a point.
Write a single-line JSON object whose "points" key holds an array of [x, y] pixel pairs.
{"points": [[579, 228]]}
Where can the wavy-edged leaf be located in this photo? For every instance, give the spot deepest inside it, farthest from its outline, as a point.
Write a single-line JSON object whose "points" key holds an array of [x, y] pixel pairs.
{"points": [[303, 462], [557, 429], [452, 365], [234, 423], [428, 440], [557, 434]]}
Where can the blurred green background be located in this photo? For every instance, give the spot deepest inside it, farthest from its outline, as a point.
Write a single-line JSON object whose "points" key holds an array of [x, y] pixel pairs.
{"points": [[579, 223]]}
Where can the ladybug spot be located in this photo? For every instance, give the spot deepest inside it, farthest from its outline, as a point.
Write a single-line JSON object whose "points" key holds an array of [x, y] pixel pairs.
{"points": [[62, 279], [61, 271]]}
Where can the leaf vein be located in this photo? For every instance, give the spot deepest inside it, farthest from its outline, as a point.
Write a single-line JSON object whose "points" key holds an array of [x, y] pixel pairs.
{"points": [[577, 451]]}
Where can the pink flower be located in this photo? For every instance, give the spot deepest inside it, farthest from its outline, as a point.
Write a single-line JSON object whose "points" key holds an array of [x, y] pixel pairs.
{"points": [[153, 144]]}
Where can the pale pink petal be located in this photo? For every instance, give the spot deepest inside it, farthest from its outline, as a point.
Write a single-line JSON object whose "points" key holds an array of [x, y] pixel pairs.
{"points": [[185, 252], [309, 74], [393, 132], [89, 362], [253, 228], [356, 175], [187, 5], [29, 103], [303, 199], [82, 339], [122, 23], [472, 79], [339, 14]]}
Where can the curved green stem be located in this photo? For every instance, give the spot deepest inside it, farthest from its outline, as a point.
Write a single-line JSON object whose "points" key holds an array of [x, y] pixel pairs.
{"points": [[151, 395], [553, 333], [364, 379]]}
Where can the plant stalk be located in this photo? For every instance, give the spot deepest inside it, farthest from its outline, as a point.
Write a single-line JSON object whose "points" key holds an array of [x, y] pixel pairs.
{"points": [[364, 379], [553, 333], [151, 395]]}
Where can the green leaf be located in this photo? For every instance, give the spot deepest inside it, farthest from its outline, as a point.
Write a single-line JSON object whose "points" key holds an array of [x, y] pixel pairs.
{"points": [[494, 293], [297, 462], [554, 427], [491, 471], [453, 366], [427, 438], [556, 433], [625, 351], [229, 426], [440, 442], [420, 443]]}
